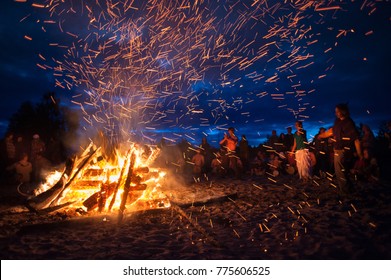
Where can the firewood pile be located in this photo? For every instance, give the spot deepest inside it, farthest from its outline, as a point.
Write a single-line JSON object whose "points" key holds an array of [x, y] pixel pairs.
{"points": [[91, 184]]}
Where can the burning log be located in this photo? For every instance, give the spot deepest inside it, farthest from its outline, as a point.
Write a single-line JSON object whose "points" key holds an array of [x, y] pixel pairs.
{"points": [[144, 169], [126, 187], [118, 183], [98, 199], [139, 187], [44, 199], [92, 202], [51, 197], [79, 169], [150, 175]]}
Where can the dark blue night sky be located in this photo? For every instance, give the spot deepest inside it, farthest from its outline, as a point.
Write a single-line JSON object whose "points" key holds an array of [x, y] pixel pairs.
{"points": [[356, 69]]}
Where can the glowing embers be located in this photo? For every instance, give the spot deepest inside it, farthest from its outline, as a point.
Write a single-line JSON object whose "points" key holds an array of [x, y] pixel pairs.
{"points": [[91, 183]]}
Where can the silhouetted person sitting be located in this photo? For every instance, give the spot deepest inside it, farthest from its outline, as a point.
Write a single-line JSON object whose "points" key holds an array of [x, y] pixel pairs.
{"points": [[216, 165], [274, 164], [367, 168], [259, 164], [22, 169]]}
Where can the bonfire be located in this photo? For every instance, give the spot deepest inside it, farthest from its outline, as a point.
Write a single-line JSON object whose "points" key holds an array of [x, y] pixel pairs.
{"points": [[95, 182]]}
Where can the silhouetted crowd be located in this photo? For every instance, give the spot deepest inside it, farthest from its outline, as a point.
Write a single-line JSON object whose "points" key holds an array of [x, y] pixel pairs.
{"points": [[274, 157], [343, 153], [26, 160]]}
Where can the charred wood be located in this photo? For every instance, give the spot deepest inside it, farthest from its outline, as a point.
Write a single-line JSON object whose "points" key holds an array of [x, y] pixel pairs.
{"points": [[126, 187]]}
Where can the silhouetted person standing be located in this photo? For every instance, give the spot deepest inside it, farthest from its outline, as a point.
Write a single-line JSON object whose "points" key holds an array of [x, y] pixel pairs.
{"points": [[367, 139], [346, 138], [37, 146], [230, 159], [21, 147], [321, 149], [244, 150], [302, 156], [288, 139], [206, 151], [10, 148], [273, 139]]}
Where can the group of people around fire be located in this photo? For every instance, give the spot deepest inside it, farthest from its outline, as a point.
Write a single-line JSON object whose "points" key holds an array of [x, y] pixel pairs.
{"points": [[24, 161], [340, 150]]}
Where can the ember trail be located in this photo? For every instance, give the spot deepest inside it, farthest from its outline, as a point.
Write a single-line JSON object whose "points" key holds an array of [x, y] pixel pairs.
{"points": [[139, 66]]}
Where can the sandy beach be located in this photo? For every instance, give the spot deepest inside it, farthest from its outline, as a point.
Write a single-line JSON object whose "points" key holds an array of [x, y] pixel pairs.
{"points": [[252, 218]]}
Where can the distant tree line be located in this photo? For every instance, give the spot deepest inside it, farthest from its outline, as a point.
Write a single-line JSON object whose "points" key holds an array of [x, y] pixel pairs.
{"points": [[48, 119]]}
